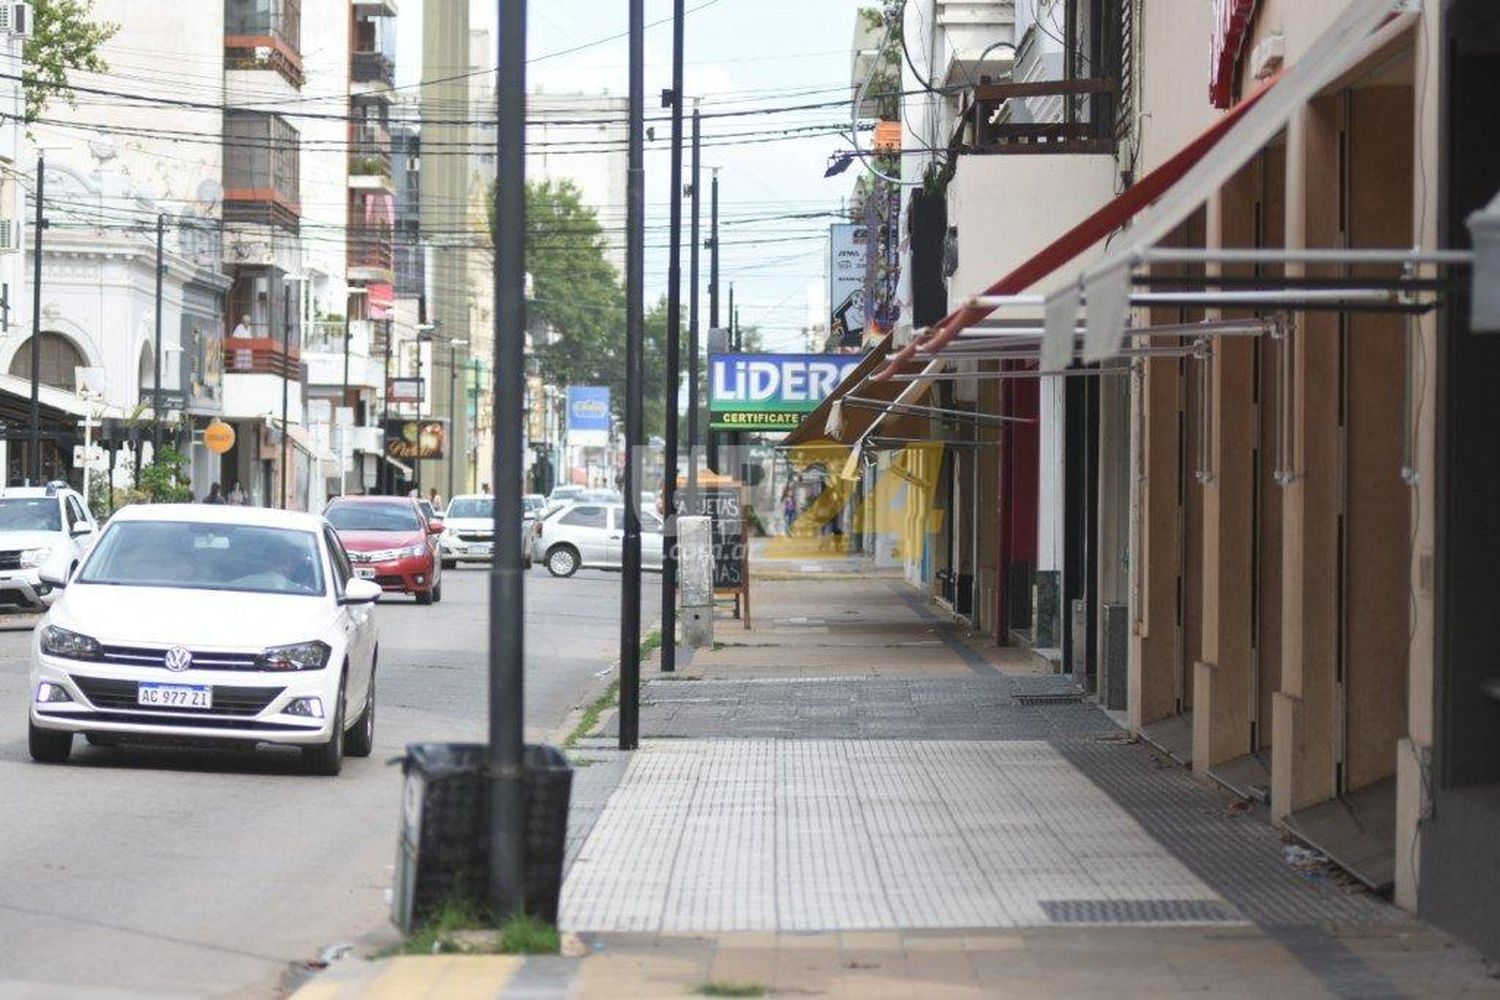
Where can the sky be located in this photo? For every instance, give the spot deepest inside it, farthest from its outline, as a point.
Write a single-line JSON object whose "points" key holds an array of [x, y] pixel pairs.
{"points": [[740, 55]]}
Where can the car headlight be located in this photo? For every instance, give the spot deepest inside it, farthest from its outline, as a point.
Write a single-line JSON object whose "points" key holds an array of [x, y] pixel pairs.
{"points": [[35, 557], [297, 656], [69, 645], [412, 551]]}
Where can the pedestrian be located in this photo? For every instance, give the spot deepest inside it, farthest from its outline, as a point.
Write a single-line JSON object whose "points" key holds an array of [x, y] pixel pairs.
{"points": [[241, 330], [789, 508], [237, 495], [214, 496], [435, 498]]}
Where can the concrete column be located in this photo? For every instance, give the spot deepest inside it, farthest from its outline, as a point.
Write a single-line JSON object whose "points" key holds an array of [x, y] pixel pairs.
{"points": [[1304, 726], [1223, 683], [695, 579], [1154, 600]]}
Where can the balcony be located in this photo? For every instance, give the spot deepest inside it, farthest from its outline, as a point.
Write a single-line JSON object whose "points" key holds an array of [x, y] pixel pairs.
{"points": [[372, 68], [997, 117], [370, 159], [261, 356], [264, 34], [262, 170], [324, 352], [977, 33]]}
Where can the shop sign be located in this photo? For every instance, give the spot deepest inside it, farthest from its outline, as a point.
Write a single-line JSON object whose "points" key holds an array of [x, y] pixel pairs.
{"points": [[588, 416], [404, 390], [412, 440], [218, 437], [771, 392], [1231, 28]]}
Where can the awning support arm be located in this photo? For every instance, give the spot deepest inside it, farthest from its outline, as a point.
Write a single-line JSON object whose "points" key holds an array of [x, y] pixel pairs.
{"points": [[915, 409]]}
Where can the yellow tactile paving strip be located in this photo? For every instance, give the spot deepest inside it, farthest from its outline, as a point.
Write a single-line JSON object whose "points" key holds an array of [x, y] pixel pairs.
{"points": [[421, 977]]}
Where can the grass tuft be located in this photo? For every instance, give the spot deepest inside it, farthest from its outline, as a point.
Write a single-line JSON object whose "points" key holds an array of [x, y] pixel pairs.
{"points": [[523, 935], [713, 988], [650, 643], [590, 717], [520, 935]]}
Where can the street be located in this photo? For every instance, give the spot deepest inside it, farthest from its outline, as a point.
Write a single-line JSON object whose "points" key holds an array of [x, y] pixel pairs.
{"points": [[186, 871]]}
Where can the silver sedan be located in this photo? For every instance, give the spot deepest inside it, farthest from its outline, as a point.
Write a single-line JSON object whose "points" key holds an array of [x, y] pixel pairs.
{"points": [[592, 535]]}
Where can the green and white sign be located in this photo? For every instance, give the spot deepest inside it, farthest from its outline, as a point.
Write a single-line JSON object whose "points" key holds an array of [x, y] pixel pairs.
{"points": [[771, 392]]}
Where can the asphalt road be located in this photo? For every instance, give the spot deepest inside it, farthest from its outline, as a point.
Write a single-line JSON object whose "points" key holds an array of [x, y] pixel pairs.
{"points": [[176, 871]]}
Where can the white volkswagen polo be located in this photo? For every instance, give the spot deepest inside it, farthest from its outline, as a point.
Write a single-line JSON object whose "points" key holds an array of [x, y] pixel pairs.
{"points": [[209, 624]]}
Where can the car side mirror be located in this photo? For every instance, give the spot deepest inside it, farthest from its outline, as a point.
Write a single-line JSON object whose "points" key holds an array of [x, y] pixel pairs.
{"points": [[434, 527], [361, 592], [55, 572], [82, 530]]}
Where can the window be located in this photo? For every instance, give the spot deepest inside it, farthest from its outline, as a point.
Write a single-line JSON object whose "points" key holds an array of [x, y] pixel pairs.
{"points": [[343, 570], [586, 517], [394, 516], [472, 507], [649, 521], [59, 358], [199, 556], [261, 153], [76, 515], [30, 514]]}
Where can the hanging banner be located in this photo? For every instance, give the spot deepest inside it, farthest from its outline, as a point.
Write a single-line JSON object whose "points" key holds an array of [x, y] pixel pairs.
{"points": [[771, 392], [848, 245], [588, 416]]}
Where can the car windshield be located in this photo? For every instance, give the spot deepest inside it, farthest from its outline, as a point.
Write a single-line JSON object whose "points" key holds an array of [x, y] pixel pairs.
{"points": [[472, 507], [373, 517], [198, 556], [532, 503], [30, 514]]}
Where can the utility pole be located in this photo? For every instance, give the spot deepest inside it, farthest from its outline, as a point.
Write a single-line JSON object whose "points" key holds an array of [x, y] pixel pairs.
{"points": [[385, 412], [713, 294], [507, 594], [635, 276], [673, 373], [416, 463], [734, 333], [344, 401], [693, 435], [161, 228], [35, 413], [286, 366], [453, 410]]}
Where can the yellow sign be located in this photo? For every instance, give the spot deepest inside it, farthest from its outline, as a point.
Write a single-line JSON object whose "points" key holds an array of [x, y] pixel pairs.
{"points": [[888, 137], [218, 437]]}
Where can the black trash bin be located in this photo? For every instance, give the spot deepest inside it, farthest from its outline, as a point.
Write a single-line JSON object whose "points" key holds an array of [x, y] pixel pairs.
{"points": [[443, 853]]}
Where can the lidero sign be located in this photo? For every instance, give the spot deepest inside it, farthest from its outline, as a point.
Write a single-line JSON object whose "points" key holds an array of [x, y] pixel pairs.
{"points": [[771, 392]]}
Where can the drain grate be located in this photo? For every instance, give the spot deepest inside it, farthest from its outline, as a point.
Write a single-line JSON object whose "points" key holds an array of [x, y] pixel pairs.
{"points": [[1058, 698], [1136, 911]]}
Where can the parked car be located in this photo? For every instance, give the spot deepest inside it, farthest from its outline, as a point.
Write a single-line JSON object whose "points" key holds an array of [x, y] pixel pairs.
{"points": [[561, 494], [390, 542], [469, 531], [531, 503], [592, 535], [39, 524], [208, 624]]}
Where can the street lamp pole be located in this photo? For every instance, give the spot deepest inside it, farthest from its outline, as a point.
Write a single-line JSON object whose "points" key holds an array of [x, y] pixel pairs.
{"points": [[674, 347], [693, 433], [453, 346], [507, 580], [161, 228], [35, 413]]}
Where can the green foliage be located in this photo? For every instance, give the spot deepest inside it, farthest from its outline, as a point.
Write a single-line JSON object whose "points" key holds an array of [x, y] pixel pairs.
{"points": [[520, 935], [590, 717], [165, 480], [713, 988], [64, 36]]}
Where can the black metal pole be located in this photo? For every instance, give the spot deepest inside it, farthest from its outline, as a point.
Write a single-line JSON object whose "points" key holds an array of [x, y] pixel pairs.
{"points": [[35, 413], [673, 373], [423, 397], [507, 582], [693, 431], [713, 295], [635, 246], [734, 333], [286, 366], [161, 228], [453, 411]]}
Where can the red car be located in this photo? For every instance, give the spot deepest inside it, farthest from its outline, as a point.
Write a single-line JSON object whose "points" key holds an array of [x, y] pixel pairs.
{"points": [[391, 542]]}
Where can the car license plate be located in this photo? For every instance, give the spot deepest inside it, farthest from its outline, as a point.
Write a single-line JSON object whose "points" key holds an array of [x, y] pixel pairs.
{"points": [[481, 548], [175, 695], [365, 572]]}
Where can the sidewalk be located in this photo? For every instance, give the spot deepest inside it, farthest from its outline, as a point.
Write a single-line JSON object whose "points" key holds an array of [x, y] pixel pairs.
{"points": [[855, 798]]}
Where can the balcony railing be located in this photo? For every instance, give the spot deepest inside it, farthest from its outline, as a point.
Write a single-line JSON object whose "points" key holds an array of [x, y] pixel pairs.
{"points": [[371, 247], [261, 356], [989, 128], [370, 152], [372, 67]]}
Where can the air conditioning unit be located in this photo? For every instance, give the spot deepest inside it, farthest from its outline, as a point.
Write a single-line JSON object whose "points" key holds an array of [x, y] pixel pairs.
{"points": [[11, 235], [15, 19]]}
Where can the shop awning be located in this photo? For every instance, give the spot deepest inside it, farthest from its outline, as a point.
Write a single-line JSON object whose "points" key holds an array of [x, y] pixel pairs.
{"points": [[1171, 192], [851, 423], [303, 440]]}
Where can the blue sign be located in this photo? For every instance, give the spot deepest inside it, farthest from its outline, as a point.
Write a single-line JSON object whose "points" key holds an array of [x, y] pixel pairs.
{"points": [[588, 414]]}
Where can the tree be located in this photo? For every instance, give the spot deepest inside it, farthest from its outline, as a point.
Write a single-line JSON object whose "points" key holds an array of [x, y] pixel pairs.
{"points": [[64, 36]]}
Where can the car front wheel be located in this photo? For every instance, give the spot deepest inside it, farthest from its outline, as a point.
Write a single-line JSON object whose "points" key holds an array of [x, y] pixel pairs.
{"points": [[327, 759], [562, 561], [48, 746]]}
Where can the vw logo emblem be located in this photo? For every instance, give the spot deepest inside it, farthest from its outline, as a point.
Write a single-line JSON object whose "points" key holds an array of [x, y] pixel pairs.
{"points": [[178, 659]]}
